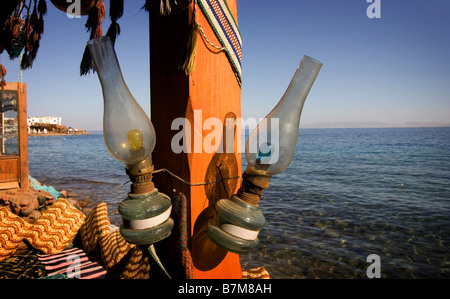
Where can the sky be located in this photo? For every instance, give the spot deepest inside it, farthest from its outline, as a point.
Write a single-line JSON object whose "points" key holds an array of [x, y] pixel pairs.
{"points": [[393, 69]]}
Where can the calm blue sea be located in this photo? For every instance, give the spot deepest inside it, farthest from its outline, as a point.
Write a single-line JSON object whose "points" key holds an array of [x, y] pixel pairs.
{"points": [[348, 194]]}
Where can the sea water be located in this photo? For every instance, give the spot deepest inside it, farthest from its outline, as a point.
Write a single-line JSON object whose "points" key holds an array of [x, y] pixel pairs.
{"points": [[348, 194]]}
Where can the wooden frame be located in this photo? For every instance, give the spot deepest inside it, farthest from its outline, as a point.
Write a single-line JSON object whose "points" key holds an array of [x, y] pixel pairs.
{"points": [[14, 169]]}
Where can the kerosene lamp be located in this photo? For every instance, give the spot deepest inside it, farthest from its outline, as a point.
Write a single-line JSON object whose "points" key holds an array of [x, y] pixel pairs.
{"points": [[130, 138], [269, 151]]}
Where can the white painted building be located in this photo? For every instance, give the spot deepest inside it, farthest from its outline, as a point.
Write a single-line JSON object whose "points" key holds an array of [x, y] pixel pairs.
{"points": [[50, 120]]}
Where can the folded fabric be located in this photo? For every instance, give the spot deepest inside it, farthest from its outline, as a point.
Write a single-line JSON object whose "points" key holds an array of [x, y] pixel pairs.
{"points": [[73, 263], [36, 186], [95, 227], [137, 266], [51, 233], [56, 228], [13, 230], [114, 249], [118, 256]]}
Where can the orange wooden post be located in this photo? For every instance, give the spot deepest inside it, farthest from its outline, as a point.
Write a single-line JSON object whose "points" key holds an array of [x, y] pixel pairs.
{"points": [[210, 91]]}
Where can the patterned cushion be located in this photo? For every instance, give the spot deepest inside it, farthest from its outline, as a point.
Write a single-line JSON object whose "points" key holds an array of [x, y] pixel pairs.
{"points": [[13, 230], [137, 267], [95, 227], [114, 248], [56, 228]]}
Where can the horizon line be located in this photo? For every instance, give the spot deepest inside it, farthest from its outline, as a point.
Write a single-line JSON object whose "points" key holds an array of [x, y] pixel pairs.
{"points": [[371, 125], [356, 125]]}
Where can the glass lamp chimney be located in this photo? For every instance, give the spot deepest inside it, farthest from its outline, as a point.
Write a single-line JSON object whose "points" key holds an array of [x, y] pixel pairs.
{"points": [[125, 123], [272, 145]]}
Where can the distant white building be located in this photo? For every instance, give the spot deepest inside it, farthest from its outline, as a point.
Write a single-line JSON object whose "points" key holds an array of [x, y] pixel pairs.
{"points": [[49, 120]]}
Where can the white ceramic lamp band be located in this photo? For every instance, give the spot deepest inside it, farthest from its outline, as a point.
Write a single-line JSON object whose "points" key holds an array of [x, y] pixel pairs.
{"points": [[150, 222], [240, 232]]}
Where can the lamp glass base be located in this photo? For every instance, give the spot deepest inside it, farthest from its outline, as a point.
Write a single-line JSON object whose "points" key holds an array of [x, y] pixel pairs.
{"points": [[229, 242], [149, 235], [146, 218]]}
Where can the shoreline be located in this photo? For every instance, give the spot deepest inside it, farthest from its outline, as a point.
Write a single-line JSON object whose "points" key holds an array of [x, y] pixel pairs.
{"points": [[58, 134]]}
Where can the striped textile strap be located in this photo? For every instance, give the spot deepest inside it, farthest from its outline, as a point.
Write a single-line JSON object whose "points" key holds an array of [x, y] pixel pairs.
{"points": [[73, 263], [224, 25]]}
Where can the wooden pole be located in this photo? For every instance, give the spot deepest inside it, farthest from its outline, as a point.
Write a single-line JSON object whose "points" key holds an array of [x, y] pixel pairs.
{"points": [[211, 91], [23, 135]]}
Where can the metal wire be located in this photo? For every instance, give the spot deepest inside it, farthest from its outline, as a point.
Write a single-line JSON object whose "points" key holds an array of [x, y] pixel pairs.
{"points": [[194, 184], [222, 179]]}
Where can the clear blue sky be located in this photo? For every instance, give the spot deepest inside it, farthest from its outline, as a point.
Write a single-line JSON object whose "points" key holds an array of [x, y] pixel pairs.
{"points": [[394, 69]]}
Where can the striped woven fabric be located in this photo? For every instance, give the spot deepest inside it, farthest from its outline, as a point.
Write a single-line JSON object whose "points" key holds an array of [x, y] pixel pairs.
{"points": [[13, 230], [114, 248], [138, 265], [51, 233], [226, 30], [73, 263], [94, 228], [56, 228]]}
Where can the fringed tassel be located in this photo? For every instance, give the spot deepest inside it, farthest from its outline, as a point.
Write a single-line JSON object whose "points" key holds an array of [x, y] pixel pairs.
{"points": [[115, 12], [42, 7], [146, 6], [2, 76], [188, 63], [181, 207], [28, 26], [165, 7], [86, 62], [93, 24], [95, 18], [17, 25], [34, 29], [113, 32], [115, 9]]}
